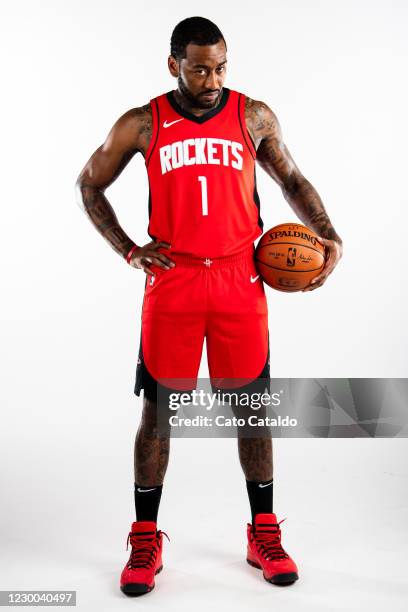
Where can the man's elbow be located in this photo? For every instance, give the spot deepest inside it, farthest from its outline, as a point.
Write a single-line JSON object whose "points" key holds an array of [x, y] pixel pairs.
{"points": [[85, 192], [291, 185], [295, 184], [80, 193]]}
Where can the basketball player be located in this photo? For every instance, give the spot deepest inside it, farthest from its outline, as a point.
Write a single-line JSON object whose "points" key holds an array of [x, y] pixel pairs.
{"points": [[200, 143]]}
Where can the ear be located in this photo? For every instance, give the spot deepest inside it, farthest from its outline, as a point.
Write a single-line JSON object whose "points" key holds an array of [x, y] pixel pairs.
{"points": [[173, 66]]}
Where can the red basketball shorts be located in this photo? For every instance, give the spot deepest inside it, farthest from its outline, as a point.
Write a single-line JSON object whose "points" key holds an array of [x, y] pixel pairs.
{"points": [[220, 299]]}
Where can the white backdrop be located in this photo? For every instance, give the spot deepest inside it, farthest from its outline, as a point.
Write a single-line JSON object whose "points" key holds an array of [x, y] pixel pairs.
{"points": [[334, 73]]}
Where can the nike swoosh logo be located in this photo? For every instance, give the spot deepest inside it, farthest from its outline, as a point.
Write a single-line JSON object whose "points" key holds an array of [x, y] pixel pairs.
{"points": [[254, 279], [166, 124], [262, 486], [145, 490]]}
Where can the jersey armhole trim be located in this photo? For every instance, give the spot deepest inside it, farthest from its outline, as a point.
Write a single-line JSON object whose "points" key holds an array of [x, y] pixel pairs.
{"points": [[155, 129], [241, 116]]}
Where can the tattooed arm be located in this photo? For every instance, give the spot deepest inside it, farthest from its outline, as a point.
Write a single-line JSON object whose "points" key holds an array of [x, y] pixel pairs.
{"points": [[274, 157], [130, 134]]}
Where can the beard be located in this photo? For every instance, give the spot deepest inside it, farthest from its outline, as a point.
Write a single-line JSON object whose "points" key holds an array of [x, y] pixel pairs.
{"points": [[196, 101]]}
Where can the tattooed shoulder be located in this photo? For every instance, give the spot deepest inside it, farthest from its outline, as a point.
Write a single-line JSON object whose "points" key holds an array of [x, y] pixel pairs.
{"points": [[142, 118], [260, 119]]}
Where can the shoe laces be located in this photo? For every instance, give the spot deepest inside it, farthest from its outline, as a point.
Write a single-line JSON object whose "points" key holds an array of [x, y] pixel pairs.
{"points": [[144, 548], [269, 541]]}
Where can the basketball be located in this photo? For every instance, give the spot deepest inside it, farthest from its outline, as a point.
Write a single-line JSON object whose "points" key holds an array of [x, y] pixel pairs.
{"points": [[289, 256]]}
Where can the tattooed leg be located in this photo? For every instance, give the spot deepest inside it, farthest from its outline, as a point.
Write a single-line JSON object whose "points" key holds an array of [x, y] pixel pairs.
{"points": [[255, 455], [151, 455]]}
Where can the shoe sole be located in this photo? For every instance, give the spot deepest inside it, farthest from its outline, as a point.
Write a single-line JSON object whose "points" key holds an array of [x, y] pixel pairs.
{"points": [[280, 579], [133, 589]]}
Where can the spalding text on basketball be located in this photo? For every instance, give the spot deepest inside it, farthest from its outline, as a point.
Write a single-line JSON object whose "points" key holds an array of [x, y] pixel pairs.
{"points": [[296, 234]]}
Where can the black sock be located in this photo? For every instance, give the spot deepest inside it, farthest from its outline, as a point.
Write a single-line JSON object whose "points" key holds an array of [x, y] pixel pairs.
{"points": [[147, 500], [260, 497]]}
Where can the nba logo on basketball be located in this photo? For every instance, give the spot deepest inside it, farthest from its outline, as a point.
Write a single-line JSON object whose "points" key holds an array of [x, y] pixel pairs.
{"points": [[291, 258]]}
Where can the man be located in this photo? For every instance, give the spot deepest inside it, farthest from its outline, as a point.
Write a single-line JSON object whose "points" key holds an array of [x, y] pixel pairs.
{"points": [[200, 143]]}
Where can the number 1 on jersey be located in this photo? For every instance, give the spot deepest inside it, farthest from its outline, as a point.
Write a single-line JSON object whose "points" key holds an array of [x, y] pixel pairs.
{"points": [[204, 198]]}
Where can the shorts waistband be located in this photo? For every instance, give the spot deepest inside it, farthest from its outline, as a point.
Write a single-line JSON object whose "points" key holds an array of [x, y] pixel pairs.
{"points": [[212, 262]]}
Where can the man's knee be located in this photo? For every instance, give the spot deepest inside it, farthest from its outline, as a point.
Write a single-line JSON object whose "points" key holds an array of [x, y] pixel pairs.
{"points": [[153, 421]]}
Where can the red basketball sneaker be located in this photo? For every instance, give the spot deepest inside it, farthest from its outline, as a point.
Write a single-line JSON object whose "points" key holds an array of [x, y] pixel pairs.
{"points": [[145, 560], [265, 551]]}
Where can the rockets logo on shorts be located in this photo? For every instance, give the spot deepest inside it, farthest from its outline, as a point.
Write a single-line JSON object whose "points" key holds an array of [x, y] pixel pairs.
{"points": [[202, 182]]}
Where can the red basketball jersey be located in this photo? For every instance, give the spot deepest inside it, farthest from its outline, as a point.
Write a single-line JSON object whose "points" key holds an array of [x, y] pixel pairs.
{"points": [[202, 181]]}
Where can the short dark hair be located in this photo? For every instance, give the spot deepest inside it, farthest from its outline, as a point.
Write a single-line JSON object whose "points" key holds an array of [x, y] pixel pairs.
{"points": [[196, 30]]}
